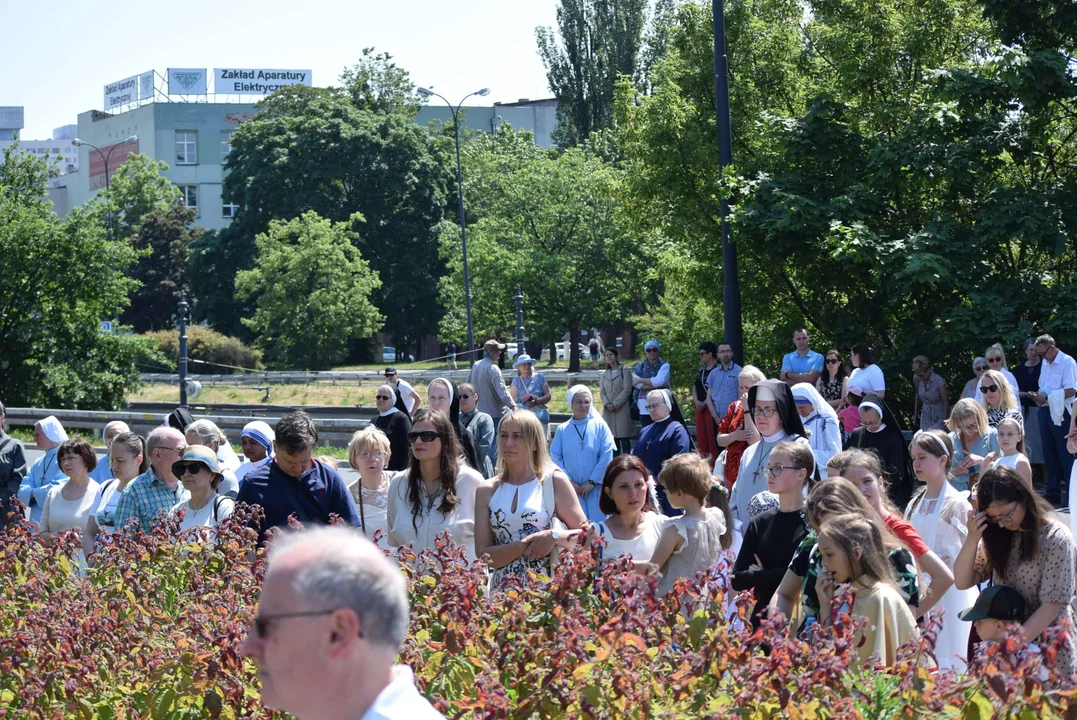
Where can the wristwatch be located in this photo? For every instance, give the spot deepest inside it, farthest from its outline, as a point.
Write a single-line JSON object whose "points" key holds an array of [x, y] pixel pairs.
{"points": [[554, 534]]}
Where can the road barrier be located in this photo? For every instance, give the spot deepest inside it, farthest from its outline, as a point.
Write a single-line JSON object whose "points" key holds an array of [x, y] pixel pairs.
{"points": [[555, 376]]}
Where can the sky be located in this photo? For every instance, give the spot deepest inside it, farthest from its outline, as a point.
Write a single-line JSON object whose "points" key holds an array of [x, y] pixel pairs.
{"points": [[59, 55]]}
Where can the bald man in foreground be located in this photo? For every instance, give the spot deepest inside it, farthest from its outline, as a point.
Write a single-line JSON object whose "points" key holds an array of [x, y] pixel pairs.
{"points": [[332, 616]]}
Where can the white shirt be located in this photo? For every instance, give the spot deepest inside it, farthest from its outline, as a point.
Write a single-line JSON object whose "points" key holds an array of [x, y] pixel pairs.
{"points": [[405, 391], [460, 522], [1058, 375], [869, 379], [246, 467], [204, 515], [400, 700]]}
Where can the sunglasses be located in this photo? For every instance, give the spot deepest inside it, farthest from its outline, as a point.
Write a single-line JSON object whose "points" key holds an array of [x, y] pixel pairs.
{"points": [[988, 388], [832, 361], [426, 436], [466, 397], [189, 468], [651, 350], [994, 360], [979, 369], [382, 397]]}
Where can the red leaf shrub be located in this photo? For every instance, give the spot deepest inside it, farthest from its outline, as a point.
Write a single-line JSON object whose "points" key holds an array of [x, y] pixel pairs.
{"points": [[153, 631]]}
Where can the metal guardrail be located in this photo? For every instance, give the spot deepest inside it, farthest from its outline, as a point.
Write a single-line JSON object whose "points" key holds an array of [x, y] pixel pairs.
{"points": [[555, 376]]}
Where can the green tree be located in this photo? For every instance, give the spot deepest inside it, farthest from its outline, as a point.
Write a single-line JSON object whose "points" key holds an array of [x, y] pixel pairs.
{"points": [[162, 237], [552, 223], [61, 278], [137, 188], [338, 152], [596, 42], [312, 291]]}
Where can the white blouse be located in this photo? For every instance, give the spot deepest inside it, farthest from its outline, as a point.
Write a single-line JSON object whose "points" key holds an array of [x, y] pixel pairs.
{"points": [[375, 510], [640, 548], [59, 514], [460, 522]]}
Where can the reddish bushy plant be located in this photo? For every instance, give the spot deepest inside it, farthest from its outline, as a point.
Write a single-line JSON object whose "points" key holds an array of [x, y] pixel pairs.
{"points": [[154, 629]]}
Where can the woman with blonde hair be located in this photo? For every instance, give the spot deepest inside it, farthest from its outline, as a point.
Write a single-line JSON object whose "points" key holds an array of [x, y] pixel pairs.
{"points": [[972, 438], [995, 399], [516, 515], [995, 358], [370, 452]]}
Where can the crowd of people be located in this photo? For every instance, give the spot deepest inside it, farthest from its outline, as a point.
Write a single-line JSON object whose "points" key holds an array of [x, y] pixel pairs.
{"points": [[806, 482]]}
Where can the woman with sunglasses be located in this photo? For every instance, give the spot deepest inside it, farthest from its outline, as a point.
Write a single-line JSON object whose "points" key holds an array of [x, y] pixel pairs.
{"points": [[997, 401], [973, 440], [979, 367], [370, 452], [1015, 540], [200, 473], [394, 422], [834, 382], [437, 492], [996, 362]]}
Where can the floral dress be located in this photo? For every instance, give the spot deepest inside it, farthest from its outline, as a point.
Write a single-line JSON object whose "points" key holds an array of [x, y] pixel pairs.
{"points": [[930, 402], [832, 389], [508, 526], [807, 563]]}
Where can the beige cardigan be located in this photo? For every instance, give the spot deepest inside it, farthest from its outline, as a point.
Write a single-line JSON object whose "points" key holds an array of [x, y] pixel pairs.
{"points": [[616, 389]]}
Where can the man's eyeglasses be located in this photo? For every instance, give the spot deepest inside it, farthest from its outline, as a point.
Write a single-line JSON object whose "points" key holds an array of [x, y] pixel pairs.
{"points": [[382, 397], [178, 450], [765, 412], [261, 622], [426, 436], [999, 519], [988, 388]]}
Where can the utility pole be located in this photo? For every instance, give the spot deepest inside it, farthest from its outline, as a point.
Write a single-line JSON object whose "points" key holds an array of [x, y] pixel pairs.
{"points": [[519, 320], [183, 348], [730, 281]]}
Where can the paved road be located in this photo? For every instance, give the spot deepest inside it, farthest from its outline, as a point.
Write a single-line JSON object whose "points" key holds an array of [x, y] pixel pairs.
{"points": [[32, 453]]}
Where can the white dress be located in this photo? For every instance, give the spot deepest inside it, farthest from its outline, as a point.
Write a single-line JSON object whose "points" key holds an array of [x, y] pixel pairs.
{"points": [[640, 548], [941, 523], [460, 522], [59, 514], [508, 526]]}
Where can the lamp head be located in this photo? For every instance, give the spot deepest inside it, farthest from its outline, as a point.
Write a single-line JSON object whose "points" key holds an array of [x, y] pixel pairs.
{"points": [[484, 92], [424, 92], [133, 138], [77, 143]]}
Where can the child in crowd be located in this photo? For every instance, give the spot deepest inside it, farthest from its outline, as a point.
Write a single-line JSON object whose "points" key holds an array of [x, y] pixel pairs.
{"points": [[998, 610], [938, 513], [1011, 442], [852, 552], [695, 540], [774, 535]]}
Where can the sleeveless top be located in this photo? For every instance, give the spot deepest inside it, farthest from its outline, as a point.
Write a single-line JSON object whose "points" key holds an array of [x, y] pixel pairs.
{"points": [[508, 527]]}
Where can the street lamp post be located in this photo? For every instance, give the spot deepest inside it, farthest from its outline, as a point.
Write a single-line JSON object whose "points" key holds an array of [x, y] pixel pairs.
{"points": [[105, 156], [183, 348], [730, 284], [519, 320], [463, 223]]}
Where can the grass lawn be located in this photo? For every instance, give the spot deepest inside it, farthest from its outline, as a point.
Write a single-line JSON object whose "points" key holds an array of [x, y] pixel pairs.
{"points": [[319, 394]]}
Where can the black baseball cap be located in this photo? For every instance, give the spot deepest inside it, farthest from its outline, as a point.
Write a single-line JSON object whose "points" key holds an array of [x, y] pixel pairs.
{"points": [[390, 371], [998, 602]]}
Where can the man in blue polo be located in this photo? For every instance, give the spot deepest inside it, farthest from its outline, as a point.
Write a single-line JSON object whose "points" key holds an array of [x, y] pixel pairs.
{"points": [[295, 484], [803, 365]]}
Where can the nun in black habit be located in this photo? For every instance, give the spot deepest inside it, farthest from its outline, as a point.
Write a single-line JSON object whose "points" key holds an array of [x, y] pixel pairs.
{"points": [[881, 433], [394, 421], [467, 440]]}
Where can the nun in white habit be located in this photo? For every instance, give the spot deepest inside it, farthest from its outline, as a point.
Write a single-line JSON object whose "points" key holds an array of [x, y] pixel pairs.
{"points": [[820, 423], [45, 471], [582, 447]]}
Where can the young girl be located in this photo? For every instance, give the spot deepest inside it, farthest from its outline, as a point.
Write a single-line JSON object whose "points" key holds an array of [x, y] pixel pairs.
{"points": [[865, 471], [1011, 443], [774, 535], [694, 540], [938, 513], [852, 552]]}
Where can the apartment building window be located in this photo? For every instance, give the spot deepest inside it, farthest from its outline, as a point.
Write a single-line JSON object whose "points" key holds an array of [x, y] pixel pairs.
{"points": [[226, 144], [186, 147], [228, 210], [189, 194]]}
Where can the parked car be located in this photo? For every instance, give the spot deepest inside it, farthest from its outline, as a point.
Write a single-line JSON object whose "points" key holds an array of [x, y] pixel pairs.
{"points": [[511, 351], [562, 351], [388, 356]]}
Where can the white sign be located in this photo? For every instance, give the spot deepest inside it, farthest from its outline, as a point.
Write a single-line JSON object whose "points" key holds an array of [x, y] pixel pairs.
{"points": [[145, 86], [257, 81], [186, 81], [122, 92]]}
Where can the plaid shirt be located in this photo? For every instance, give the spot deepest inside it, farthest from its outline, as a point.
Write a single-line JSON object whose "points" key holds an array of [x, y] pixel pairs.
{"points": [[145, 497]]}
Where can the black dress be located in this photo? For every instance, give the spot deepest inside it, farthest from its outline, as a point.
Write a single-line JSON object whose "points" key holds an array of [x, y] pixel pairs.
{"points": [[889, 444], [396, 426], [774, 536]]}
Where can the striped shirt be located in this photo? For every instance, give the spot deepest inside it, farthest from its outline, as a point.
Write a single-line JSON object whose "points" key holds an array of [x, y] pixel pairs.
{"points": [[145, 498]]}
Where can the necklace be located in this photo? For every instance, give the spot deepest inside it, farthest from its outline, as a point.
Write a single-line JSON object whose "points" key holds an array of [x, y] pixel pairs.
{"points": [[430, 498], [583, 435]]}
